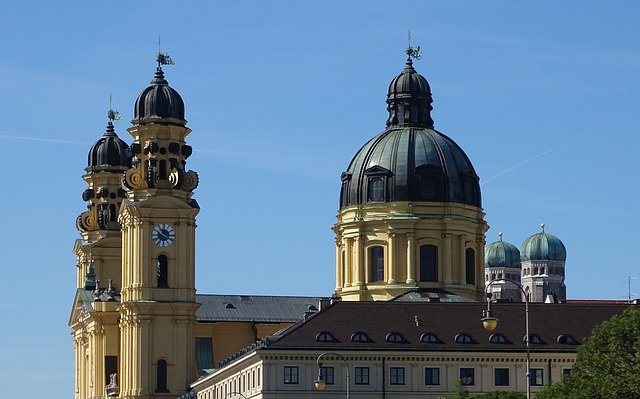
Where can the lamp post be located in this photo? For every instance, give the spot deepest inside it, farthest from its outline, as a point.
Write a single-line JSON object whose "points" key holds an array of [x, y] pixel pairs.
{"points": [[320, 383], [490, 323], [232, 394]]}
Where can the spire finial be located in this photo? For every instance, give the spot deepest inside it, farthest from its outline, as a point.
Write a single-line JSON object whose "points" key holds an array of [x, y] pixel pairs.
{"points": [[162, 59], [500, 235], [412, 52], [113, 114], [542, 226]]}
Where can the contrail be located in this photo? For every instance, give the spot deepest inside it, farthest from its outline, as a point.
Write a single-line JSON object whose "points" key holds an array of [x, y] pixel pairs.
{"points": [[539, 155], [42, 139]]}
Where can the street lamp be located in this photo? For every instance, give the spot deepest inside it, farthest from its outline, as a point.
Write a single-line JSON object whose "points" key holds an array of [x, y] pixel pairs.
{"points": [[232, 394], [490, 323], [320, 383]]}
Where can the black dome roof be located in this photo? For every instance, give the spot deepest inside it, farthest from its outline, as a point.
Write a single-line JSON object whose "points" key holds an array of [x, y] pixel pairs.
{"points": [[159, 102], [109, 151], [410, 161]]}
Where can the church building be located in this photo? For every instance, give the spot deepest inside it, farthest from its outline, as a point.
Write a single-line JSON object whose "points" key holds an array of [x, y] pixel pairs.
{"points": [[412, 277]]}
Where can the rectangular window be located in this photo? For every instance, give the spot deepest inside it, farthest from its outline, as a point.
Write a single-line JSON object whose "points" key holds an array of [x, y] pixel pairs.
{"points": [[326, 375], [204, 355], [566, 372], [467, 376], [501, 377], [396, 375], [376, 263], [110, 367], [535, 377], [432, 376], [362, 376], [470, 266], [428, 263], [291, 375]]}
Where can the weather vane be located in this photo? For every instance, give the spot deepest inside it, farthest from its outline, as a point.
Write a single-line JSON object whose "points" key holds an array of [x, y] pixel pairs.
{"points": [[413, 52], [112, 114], [163, 59]]}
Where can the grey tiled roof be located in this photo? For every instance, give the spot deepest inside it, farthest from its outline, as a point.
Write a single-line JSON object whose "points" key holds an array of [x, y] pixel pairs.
{"points": [[258, 308], [446, 320]]}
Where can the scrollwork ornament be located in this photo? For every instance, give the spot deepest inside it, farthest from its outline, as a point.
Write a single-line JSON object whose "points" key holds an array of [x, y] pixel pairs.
{"points": [[175, 177], [87, 221], [190, 181], [133, 180]]}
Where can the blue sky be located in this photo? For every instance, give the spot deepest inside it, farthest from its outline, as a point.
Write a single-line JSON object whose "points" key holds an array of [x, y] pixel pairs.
{"points": [[542, 96]]}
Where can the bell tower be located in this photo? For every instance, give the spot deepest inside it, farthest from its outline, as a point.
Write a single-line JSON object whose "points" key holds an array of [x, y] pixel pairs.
{"points": [[158, 307]]}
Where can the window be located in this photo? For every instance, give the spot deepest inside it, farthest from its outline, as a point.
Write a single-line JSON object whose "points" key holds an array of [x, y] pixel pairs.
{"points": [[360, 337], [467, 376], [375, 191], [362, 376], [110, 366], [428, 263], [429, 338], [501, 377], [566, 372], [395, 338], [162, 271], [430, 183], [204, 354], [567, 339], [498, 339], [396, 376], [325, 337], [463, 338], [533, 339], [432, 376], [535, 377], [290, 374], [327, 375], [470, 266], [161, 376], [376, 263]]}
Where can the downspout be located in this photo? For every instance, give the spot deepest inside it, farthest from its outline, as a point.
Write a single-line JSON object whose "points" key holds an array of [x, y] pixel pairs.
{"points": [[384, 378], [549, 372]]}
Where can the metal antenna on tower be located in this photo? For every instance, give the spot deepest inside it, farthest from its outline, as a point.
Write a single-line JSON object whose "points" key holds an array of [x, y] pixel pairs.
{"points": [[628, 282]]}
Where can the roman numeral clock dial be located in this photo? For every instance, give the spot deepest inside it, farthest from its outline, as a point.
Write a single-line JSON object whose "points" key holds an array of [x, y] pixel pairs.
{"points": [[163, 235]]}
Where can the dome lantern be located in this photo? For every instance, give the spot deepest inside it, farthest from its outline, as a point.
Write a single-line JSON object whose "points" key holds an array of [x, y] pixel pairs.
{"points": [[159, 103]]}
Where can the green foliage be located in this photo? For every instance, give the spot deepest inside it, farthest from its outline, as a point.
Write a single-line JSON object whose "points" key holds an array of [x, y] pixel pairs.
{"points": [[461, 392], [502, 395], [607, 364]]}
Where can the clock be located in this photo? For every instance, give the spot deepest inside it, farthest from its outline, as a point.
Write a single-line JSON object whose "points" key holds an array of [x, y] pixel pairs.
{"points": [[163, 235]]}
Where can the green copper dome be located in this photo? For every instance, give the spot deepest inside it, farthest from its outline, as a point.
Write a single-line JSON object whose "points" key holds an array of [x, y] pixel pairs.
{"points": [[543, 246], [501, 254]]}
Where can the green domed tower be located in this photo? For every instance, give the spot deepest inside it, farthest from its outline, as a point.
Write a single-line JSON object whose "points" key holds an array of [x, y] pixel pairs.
{"points": [[410, 215], [543, 258], [502, 261]]}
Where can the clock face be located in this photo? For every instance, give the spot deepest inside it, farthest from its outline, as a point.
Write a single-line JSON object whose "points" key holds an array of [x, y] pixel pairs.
{"points": [[163, 235]]}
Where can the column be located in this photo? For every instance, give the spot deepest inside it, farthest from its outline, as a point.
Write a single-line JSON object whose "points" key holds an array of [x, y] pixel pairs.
{"points": [[446, 259], [339, 266], [462, 261], [348, 267], [390, 266], [359, 272], [411, 250]]}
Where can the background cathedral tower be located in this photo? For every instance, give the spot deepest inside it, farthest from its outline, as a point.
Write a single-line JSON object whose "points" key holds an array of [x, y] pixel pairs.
{"points": [[410, 213], [543, 258], [158, 305]]}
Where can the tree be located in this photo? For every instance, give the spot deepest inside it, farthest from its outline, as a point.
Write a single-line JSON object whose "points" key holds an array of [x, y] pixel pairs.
{"points": [[502, 395], [607, 364], [461, 392]]}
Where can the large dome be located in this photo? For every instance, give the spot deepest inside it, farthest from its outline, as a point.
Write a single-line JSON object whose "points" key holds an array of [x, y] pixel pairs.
{"points": [[501, 254], [543, 246], [109, 151], [410, 161], [159, 103]]}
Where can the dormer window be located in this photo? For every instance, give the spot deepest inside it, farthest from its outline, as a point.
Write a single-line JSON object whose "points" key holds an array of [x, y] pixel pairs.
{"points": [[498, 339], [464, 338], [567, 339], [360, 337], [395, 338], [429, 338], [377, 183], [325, 336], [533, 339]]}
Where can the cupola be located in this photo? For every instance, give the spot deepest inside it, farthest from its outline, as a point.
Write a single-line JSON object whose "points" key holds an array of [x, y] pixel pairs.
{"points": [[109, 152], [159, 103], [543, 246], [501, 254]]}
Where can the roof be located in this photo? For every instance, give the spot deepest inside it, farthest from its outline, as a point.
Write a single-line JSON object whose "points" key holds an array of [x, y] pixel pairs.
{"points": [[256, 308], [446, 321]]}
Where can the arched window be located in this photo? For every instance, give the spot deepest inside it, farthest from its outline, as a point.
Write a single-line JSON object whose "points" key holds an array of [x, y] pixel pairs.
{"points": [[429, 183], [429, 338], [376, 263], [535, 271], [325, 336], [395, 338], [567, 339], [470, 266], [533, 339], [464, 338], [428, 263], [161, 376], [360, 337], [498, 339], [162, 271]]}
